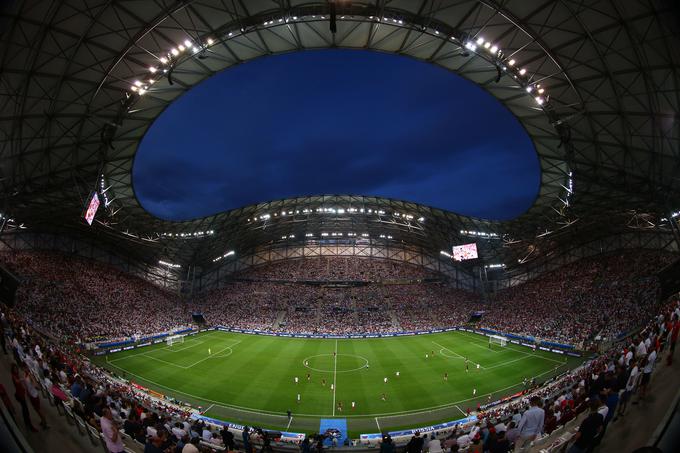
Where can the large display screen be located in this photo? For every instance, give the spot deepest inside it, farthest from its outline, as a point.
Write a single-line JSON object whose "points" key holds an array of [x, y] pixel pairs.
{"points": [[92, 208], [464, 252]]}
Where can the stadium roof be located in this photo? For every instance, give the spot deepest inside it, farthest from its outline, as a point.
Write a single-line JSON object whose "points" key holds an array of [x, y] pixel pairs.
{"points": [[595, 84]]}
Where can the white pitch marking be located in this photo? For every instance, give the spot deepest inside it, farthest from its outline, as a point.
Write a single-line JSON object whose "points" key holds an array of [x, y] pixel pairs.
{"points": [[461, 410], [459, 356], [289, 422], [385, 414], [376, 422], [482, 347], [221, 350], [335, 373]]}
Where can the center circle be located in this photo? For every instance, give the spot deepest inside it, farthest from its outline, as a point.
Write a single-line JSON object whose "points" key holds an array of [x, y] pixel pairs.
{"points": [[328, 363]]}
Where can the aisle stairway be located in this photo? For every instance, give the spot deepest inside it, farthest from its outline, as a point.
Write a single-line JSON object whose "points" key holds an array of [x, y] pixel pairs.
{"points": [[280, 318]]}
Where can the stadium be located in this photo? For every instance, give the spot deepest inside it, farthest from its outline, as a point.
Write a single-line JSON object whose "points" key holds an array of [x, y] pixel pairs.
{"points": [[301, 319]]}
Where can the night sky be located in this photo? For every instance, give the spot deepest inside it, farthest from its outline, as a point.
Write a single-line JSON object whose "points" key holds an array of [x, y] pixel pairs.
{"points": [[336, 122]]}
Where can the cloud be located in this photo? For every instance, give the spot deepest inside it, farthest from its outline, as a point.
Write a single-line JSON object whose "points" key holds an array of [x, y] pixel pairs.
{"points": [[336, 122]]}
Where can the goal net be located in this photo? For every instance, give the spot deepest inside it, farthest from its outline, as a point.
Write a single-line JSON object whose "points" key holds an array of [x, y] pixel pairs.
{"points": [[497, 339], [172, 339]]}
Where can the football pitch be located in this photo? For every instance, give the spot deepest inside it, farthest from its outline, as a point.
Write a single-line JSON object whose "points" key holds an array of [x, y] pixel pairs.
{"points": [[251, 379]]}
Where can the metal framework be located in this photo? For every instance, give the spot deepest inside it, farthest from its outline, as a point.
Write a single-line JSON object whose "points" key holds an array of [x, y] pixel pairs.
{"points": [[595, 84]]}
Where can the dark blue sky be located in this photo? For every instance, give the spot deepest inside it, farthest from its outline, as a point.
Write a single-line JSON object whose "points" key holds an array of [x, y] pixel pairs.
{"points": [[336, 122]]}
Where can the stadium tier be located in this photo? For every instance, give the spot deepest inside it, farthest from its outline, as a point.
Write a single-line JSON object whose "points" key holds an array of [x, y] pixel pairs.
{"points": [[85, 301]]}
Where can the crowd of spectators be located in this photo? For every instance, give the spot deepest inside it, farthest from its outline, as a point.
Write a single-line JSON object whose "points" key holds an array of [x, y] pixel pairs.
{"points": [[83, 300], [86, 300], [604, 295], [338, 268]]}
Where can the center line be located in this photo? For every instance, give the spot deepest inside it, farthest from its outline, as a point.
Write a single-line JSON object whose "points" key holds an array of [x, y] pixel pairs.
{"points": [[335, 373]]}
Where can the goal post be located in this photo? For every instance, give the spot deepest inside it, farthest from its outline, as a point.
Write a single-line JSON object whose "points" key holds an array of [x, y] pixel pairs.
{"points": [[497, 339], [172, 339]]}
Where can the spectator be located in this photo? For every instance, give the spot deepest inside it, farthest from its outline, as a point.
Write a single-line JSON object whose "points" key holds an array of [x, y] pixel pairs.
{"points": [[192, 446], [227, 438], [415, 445], [20, 396], [112, 437], [589, 429], [531, 424]]}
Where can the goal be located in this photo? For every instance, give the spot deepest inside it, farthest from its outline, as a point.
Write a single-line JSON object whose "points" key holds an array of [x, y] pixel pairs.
{"points": [[497, 339], [172, 339]]}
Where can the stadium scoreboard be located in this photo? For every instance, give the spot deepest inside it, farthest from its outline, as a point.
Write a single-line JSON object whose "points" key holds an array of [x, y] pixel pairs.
{"points": [[92, 208], [465, 252]]}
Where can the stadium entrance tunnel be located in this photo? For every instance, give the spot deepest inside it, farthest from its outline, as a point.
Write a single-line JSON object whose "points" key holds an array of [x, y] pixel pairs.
{"points": [[336, 121]]}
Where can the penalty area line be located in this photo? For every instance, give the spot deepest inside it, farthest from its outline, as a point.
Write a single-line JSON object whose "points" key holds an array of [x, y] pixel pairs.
{"points": [[290, 420], [376, 422], [444, 348]]}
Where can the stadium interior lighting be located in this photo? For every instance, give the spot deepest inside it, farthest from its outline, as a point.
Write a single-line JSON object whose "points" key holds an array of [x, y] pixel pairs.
{"points": [[167, 264], [226, 255], [522, 71], [539, 100], [210, 41], [163, 60], [480, 41], [174, 51], [495, 266], [478, 234], [511, 63], [446, 254], [195, 234]]}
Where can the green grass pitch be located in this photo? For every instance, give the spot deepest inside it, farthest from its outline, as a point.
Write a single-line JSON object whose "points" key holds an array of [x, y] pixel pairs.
{"points": [[251, 378]]}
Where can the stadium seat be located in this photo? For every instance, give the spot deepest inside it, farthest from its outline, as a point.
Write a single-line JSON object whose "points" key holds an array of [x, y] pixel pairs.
{"points": [[212, 446]]}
